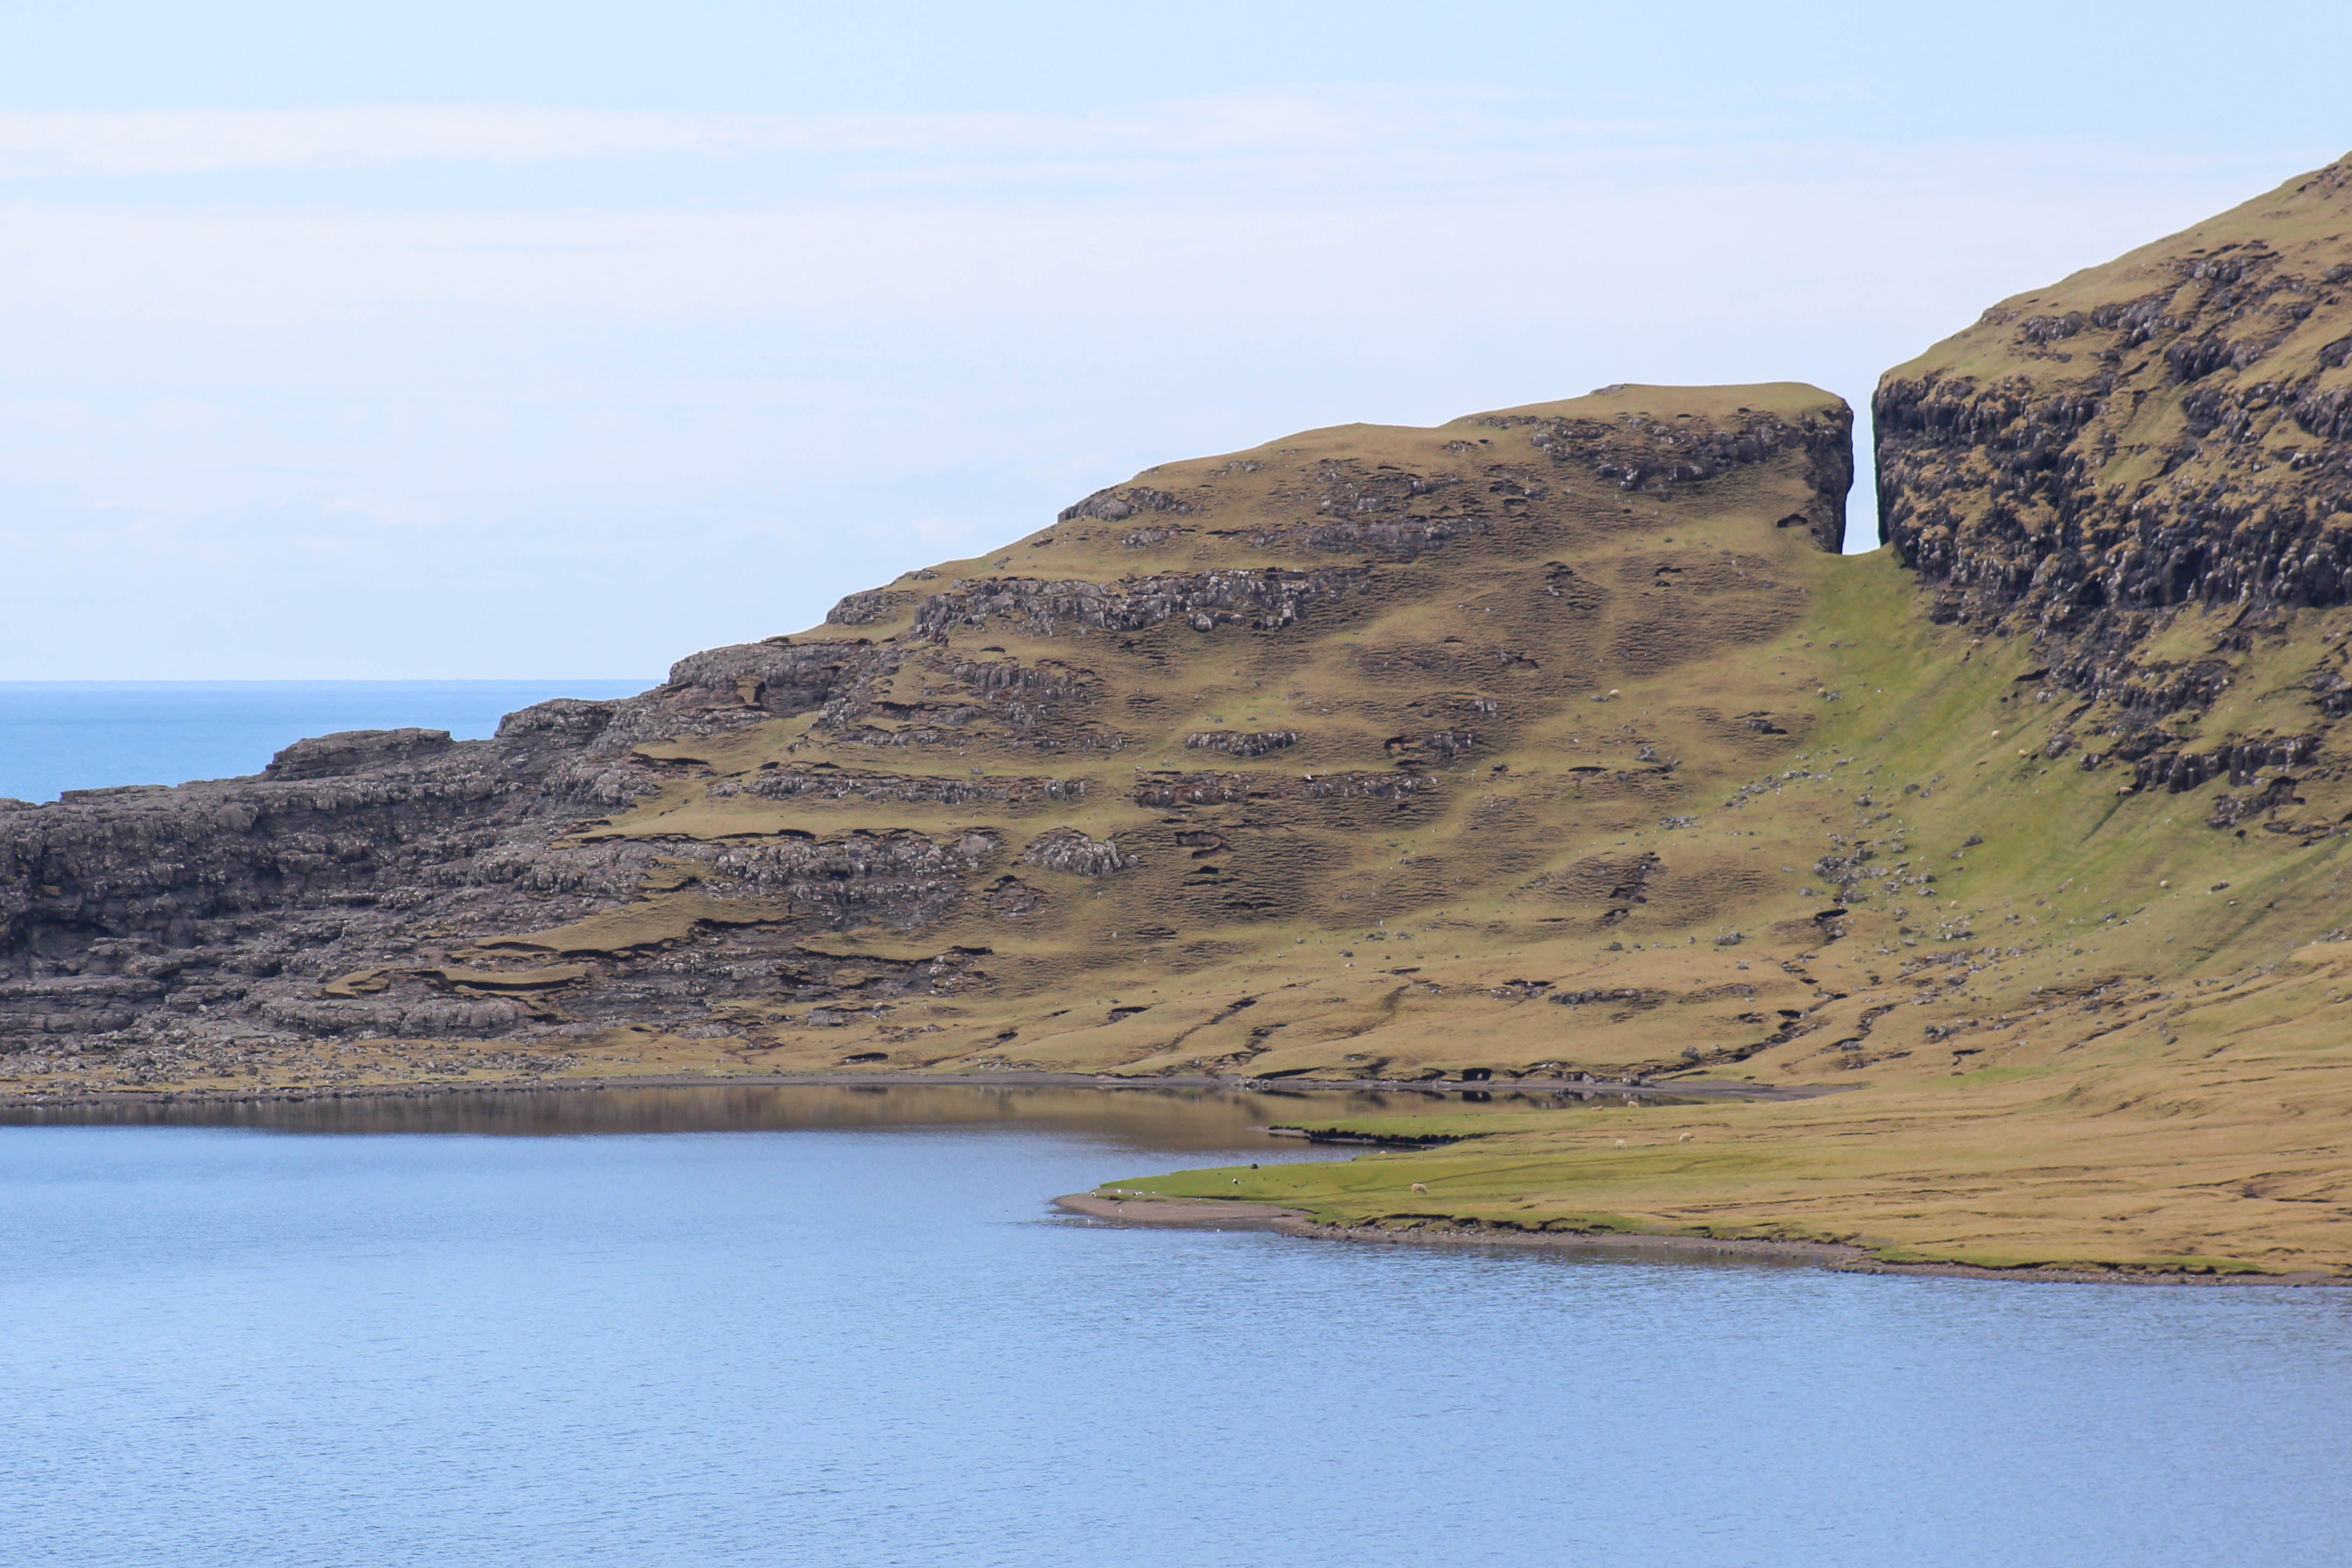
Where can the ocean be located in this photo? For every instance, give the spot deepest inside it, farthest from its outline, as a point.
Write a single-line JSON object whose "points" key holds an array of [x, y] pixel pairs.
{"points": [[97, 734]]}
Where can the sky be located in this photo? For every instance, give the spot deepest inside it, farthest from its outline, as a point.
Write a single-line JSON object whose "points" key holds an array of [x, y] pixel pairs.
{"points": [[496, 340]]}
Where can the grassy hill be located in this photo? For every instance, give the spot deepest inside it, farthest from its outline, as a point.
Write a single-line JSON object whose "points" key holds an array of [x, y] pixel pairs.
{"points": [[2093, 687], [1553, 746]]}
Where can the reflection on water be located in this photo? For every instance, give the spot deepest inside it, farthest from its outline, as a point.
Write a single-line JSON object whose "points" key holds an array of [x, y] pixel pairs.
{"points": [[1174, 1119]]}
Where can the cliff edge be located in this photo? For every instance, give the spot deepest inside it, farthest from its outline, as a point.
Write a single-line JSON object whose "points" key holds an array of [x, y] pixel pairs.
{"points": [[1289, 698], [2147, 468]]}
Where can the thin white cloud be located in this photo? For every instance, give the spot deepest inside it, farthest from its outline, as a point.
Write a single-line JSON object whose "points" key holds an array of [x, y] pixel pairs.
{"points": [[1796, 233], [160, 142], [195, 142]]}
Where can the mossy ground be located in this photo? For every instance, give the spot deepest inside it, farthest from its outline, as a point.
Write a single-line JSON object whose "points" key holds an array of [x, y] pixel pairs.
{"points": [[2109, 1037], [2207, 1125]]}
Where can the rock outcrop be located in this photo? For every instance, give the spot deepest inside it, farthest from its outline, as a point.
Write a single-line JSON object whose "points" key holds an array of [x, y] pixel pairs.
{"points": [[970, 783], [2169, 433]]}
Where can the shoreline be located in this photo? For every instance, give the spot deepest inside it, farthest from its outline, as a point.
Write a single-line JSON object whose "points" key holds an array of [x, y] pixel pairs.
{"points": [[1008, 1079], [1840, 1258], [1215, 1214]]}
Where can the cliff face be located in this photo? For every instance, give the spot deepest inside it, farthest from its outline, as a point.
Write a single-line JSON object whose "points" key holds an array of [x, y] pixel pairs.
{"points": [[1238, 707], [2160, 444]]}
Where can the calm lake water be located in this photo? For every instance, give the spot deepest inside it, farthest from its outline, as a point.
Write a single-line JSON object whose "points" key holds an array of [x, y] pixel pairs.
{"points": [[96, 734], [842, 1327]]}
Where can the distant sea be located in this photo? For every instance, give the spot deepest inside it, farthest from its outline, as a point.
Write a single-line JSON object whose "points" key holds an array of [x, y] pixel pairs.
{"points": [[97, 734]]}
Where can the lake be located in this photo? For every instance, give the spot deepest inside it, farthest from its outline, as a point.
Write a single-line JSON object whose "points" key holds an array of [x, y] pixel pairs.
{"points": [[843, 1326]]}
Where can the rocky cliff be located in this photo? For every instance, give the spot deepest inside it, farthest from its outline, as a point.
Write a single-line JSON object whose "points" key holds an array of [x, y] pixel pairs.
{"points": [[2161, 445], [1257, 703]]}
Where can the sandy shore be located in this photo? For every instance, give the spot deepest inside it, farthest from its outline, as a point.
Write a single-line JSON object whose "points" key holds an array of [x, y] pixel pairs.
{"points": [[1212, 1214]]}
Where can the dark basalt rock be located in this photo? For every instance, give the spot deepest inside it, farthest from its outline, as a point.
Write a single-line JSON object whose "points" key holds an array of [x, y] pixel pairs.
{"points": [[2241, 762], [1638, 454], [1168, 791], [2167, 432], [1235, 743], [870, 607], [1067, 849], [221, 907], [1264, 600], [565, 720], [1118, 504], [354, 751], [830, 783]]}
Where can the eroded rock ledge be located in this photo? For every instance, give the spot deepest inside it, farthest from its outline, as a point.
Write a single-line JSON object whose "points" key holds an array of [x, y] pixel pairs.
{"points": [[2170, 432], [1353, 625]]}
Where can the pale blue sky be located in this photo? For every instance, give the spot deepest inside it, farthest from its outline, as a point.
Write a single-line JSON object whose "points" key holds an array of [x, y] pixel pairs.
{"points": [[514, 340]]}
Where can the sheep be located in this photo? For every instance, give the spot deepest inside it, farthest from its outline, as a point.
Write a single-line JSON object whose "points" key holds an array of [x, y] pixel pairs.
{"points": [[1621, 1142], [1417, 1187], [1683, 1139]]}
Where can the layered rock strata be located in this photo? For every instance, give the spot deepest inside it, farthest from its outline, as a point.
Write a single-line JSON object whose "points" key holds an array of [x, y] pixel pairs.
{"points": [[986, 780], [2159, 444]]}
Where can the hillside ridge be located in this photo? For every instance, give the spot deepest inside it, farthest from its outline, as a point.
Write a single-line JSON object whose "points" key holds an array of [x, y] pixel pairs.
{"points": [[945, 772], [1553, 744]]}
